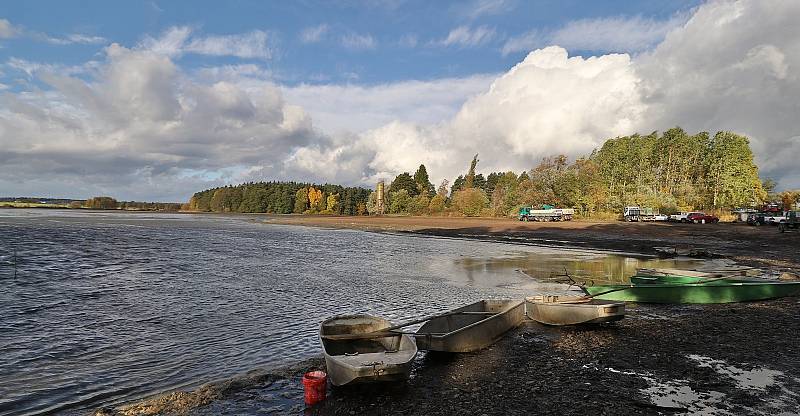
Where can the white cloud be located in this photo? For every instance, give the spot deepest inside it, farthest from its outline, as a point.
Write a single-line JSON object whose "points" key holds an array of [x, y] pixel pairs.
{"points": [[734, 67], [465, 36], [477, 8], [31, 68], [548, 103], [7, 30], [314, 34], [357, 41], [75, 38], [170, 43], [408, 40], [608, 34], [179, 40], [247, 45], [525, 42], [354, 108], [142, 129]]}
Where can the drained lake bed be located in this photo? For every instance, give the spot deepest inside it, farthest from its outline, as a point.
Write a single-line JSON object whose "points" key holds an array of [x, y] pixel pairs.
{"points": [[102, 308]]}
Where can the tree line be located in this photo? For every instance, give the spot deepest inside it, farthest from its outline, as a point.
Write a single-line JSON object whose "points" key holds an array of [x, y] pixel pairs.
{"points": [[107, 202], [282, 198], [673, 171]]}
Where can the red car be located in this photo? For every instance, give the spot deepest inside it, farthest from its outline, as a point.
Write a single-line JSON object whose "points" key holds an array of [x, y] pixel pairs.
{"points": [[698, 217]]}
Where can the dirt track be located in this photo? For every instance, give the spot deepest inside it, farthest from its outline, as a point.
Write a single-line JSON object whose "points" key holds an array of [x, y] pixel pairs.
{"points": [[758, 246]]}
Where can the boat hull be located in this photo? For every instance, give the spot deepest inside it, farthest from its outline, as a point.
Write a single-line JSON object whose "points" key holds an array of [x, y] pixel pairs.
{"points": [[471, 332], [561, 310], [712, 292], [365, 360]]}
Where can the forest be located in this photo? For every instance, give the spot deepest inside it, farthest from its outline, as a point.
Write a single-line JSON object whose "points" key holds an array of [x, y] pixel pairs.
{"points": [[282, 198], [672, 171]]}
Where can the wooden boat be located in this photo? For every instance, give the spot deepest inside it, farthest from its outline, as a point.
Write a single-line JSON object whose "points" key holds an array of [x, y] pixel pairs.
{"points": [[350, 359], [572, 310], [719, 291], [471, 327]]}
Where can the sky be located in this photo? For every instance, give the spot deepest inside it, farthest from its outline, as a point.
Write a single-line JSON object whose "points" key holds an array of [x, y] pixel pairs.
{"points": [[155, 100]]}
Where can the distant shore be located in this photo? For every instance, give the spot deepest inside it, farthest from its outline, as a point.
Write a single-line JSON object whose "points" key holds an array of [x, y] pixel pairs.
{"points": [[760, 246]]}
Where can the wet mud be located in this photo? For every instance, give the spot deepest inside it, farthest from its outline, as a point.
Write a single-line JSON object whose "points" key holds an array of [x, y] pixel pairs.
{"points": [[733, 359], [715, 359]]}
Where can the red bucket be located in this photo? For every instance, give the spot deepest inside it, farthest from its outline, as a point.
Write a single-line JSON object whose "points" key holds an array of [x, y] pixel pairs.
{"points": [[315, 384]]}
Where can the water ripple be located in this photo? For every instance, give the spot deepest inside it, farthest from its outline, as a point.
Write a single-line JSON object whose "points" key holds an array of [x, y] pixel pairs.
{"points": [[108, 307]]}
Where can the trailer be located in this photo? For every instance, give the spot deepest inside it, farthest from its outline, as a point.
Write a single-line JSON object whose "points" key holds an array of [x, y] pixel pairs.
{"points": [[547, 213]]}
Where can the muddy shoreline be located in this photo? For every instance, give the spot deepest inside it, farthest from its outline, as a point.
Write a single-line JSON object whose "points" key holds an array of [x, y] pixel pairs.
{"points": [[737, 359], [761, 246], [661, 359]]}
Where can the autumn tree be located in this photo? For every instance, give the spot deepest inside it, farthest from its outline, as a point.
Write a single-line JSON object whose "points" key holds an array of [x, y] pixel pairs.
{"points": [[300, 201], [470, 201], [400, 201]]}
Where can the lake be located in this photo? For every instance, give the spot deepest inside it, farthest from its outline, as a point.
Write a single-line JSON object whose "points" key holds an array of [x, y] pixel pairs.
{"points": [[107, 307]]}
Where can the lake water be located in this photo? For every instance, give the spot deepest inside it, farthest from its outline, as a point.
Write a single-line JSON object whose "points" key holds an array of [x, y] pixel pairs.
{"points": [[110, 307]]}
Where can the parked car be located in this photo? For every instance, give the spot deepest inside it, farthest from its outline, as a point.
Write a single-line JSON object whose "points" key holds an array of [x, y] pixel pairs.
{"points": [[660, 217], [774, 218], [679, 217], [699, 217]]}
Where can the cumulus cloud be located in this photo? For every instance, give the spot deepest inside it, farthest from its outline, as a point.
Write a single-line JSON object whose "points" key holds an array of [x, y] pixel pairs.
{"points": [[179, 40], [143, 128], [465, 36], [313, 34], [355, 41], [732, 66], [548, 103], [609, 34]]}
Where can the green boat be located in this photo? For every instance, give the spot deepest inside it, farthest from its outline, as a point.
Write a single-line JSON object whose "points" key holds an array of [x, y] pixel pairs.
{"points": [[718, 291], [676, 276]]}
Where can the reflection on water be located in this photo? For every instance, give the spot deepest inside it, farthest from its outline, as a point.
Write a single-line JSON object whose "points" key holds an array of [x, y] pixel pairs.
{"points": [[554, 265], [109, 307]]}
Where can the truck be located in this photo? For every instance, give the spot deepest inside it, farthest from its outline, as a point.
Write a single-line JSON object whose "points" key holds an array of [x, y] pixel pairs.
{"points": [[635, 213], [546, 213]]}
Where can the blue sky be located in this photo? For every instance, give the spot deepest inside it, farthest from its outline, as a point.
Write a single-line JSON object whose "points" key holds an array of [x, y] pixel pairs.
{"points": [[156, 100], [357, 41]]}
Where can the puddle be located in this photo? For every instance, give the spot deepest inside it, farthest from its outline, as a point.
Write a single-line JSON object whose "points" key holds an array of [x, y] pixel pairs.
{"points": [[677, 394], [776, 397], [758, 379]]}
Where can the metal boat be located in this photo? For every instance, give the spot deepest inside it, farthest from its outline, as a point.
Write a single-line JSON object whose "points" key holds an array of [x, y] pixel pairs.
{"points": [[471, 327], [357, 350], [572, 310]]}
